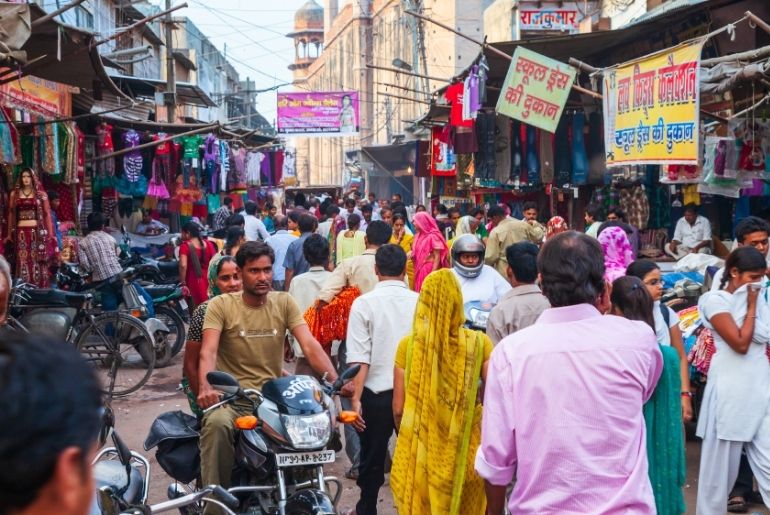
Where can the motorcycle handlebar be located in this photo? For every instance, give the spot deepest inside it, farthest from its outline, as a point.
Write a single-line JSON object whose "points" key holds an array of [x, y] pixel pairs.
{"points": [[226, 497]]}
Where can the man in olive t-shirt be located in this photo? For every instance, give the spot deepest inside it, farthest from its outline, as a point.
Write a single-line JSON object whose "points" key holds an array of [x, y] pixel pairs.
{"points": [[243, 335]]}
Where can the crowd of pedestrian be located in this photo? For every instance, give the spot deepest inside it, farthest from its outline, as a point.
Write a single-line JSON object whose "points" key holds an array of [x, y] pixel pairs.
{"points": [[573, 399]]}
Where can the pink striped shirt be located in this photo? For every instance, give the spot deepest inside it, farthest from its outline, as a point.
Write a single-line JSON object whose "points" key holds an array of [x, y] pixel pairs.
{"points": [[563, 414]]}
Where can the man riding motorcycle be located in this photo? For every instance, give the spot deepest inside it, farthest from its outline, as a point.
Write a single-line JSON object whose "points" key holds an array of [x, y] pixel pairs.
{"points": [[478, 282], [243, 335]]}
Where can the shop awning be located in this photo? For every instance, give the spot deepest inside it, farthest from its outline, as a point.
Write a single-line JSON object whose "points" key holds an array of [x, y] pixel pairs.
{"points": [[64, 54], [140, 87], [396, 160]]}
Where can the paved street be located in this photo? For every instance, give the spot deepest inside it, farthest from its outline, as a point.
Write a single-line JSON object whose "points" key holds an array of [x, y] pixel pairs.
{"points": [[136, 413]]}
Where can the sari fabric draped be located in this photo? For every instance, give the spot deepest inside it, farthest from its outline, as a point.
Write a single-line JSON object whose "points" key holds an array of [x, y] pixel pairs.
{"points": [[618, 253], [427, 240], [433, 470]]}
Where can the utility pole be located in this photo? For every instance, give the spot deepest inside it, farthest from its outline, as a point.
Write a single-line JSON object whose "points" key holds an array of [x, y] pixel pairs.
{"points": [[170, 96]]}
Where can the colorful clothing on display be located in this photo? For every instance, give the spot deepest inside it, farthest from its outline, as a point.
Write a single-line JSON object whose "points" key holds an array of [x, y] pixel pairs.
{"points": [[33, 246]]}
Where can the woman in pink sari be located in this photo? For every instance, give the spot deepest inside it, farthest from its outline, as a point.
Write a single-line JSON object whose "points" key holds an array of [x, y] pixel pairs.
{"points": [[429, 249], [618, 253]]}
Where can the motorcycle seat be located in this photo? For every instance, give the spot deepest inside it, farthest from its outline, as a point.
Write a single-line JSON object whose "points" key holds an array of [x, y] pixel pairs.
{"points": [[157, 291], [113, 474], [169, 268], [52, 297]]}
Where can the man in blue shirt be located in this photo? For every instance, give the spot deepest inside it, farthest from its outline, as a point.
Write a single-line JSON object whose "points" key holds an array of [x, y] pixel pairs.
{"points": [[295, 262], [280, 242]]}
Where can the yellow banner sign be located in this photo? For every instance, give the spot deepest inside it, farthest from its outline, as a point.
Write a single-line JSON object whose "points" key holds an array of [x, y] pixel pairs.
{"points": [[651, 108], [535, 89], [39, 96]]}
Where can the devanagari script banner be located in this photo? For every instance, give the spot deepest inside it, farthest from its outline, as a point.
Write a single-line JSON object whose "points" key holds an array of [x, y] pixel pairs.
{"points": [[651, 108], [536, 89]]}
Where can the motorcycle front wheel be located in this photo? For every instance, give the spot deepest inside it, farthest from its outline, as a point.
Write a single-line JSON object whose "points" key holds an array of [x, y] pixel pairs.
{"points": [[121, 351]]}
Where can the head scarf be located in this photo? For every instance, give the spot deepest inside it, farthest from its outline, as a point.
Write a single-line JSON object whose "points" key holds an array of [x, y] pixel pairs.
{"points": [[427, 239], [213, 274], [618, 253], [554, 226], [441, 425], [464, 226]]}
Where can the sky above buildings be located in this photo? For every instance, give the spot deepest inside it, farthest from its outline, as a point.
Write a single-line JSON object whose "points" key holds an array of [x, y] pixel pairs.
{"points": [[252, 33]]}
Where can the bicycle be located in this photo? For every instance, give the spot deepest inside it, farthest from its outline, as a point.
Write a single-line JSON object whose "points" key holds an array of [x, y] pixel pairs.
{"points": [[117, 344]]}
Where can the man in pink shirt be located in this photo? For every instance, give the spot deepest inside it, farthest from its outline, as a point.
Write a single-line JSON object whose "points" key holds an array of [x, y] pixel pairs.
{"points": [[563, 398]]}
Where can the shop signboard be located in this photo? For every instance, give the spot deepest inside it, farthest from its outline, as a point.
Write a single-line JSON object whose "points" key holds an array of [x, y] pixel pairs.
{"points": [[651, 108], [44, 97], [536, 89], [561, 19], [318, 113]]}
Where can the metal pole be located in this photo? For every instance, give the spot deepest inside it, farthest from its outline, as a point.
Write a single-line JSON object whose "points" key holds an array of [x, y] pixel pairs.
{"points": [[402, 98], [397, 70], [56, 13], [150, 144], [170, 96]]}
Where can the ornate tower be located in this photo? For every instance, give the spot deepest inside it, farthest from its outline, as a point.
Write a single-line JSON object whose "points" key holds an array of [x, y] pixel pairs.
{"points": [[308, 38]]}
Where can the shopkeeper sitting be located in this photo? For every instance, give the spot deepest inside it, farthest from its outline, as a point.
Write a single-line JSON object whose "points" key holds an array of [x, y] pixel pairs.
{"points": [[149, 226], [692, 235]]}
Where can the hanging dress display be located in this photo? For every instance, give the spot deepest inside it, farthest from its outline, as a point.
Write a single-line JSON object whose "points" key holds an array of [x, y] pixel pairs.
{"points": [[104, 179], [133, 183]]}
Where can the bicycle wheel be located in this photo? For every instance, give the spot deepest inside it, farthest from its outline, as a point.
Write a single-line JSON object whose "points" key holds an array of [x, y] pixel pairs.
{"points": [[175, 323], [120, 349]]}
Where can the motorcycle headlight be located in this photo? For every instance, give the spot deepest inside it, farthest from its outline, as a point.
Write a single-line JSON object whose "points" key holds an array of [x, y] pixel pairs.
{"points": [[308, 431]]}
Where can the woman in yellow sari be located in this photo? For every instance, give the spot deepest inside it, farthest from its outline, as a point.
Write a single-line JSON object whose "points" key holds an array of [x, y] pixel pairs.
{"points": [[404, 240], [435, 392]]}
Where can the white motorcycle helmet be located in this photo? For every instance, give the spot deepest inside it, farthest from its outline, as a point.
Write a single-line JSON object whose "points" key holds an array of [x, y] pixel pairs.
{"points": [[468, 244]]}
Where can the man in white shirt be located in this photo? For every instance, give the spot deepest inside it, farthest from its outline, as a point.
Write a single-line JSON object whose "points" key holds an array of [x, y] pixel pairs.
{"points": [[304, 289], [377, 323], [691, 235], [478, 282], [325, 227], [254, 227]]}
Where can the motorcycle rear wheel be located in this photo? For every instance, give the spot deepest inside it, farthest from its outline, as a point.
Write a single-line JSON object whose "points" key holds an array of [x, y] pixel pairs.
{"points": [[175, 323], [120, 349]]}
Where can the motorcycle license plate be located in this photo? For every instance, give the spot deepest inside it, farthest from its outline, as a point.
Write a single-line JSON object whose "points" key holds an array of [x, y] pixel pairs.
{"points": [[183, 304], [299, 459]]}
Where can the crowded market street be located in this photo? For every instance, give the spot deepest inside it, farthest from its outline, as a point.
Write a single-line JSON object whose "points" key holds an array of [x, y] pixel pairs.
{"points": [[361, 257]]}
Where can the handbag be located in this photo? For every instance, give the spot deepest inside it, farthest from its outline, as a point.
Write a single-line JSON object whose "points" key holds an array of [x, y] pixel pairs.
{"points": [[701, 353]]}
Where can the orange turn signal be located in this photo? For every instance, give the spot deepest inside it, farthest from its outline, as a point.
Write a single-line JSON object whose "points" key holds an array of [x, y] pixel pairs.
{"points": [[347, 417], [136, 313], [247, 422]]}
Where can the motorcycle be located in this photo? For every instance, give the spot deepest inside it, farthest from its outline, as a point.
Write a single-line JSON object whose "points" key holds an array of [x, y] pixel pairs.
{"points": [[477, 314], [280, 449], [69, 278], [122, 478]]}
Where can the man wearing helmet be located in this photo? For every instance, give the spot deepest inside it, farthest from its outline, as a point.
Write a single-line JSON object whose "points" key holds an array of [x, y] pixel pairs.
{"points": [[478, 282]]}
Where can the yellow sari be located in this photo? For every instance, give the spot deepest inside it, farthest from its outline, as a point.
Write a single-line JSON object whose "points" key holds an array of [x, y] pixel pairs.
{"points": [[433, 466], [406, 244]]}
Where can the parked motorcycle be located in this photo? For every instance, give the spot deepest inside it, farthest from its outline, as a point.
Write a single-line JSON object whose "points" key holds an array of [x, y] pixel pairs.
{"points": [[69, 278], [122, 478], [280, 449]]}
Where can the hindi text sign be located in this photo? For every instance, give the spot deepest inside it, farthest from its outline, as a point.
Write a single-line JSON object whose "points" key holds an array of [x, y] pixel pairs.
{"points": [[318, 113], [536, 89], [651, 108]]}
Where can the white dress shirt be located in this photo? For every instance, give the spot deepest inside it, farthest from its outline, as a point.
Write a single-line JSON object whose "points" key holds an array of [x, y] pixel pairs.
{"points": [[378, 321], [255, 229], [691, 235], [489, 286]]}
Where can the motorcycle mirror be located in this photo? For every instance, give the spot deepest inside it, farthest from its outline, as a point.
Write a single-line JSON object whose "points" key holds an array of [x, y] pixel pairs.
{"points": [[124, 453], [106, 501], [350, 373], [108, 422], [223, 382]]}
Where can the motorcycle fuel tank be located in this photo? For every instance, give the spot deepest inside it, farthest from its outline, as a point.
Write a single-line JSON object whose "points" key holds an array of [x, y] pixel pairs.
{"points": [[295, 395]]}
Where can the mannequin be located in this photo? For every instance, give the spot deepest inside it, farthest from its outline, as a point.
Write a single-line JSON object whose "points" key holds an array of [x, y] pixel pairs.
{"points": [[30, 231]]}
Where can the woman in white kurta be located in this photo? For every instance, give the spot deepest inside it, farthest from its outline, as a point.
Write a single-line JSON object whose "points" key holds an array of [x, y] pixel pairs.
{"points": [[735, 413]]}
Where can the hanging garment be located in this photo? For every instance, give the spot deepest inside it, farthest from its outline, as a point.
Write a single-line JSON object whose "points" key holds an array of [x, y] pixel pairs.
{"points": [[132, 161], [579, 157], [597, 163], [277, 166], [633, 201], [224, 164], [253, 162], [562, 152], [502, 149], [454, 95], [516, 151], [443, 162], [546, 157], [533, 163], [211, 161], [265, 171], [486, 129]]}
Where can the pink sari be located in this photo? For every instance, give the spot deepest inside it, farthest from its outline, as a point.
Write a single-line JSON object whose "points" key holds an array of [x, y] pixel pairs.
{"points": [[618, 253], [427, 239]]}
